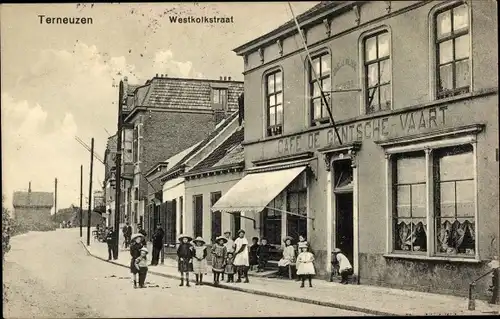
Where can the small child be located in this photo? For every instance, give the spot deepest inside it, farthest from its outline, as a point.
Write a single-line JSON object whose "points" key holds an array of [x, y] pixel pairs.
{"points": [[200, 259], [305, 266], [185, 255], [263, 254], [229, 267], [253, 257], [141, 263], [219, 252]]}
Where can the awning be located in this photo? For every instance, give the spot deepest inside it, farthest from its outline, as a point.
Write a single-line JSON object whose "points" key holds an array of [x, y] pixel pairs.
{"points": [[255, 191]]}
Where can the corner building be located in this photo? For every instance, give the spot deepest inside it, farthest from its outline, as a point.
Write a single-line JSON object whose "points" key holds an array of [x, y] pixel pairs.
{"points": [[410, 192]]}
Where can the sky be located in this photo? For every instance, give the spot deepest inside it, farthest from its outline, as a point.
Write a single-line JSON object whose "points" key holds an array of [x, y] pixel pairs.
{"points": [[59, 81]]}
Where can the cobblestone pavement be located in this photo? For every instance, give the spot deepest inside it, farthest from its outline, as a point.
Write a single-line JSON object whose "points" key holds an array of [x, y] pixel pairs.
{"points": [[50, 275]]}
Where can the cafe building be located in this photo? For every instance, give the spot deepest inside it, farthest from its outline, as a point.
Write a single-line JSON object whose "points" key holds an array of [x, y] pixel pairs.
{"points": [[406, 181]]}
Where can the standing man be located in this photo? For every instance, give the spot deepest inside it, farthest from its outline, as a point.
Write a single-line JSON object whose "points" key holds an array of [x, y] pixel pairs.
{"points": [[143, 233], [157, 244], [127, 233], [229, 245], [111, 238], [241, 258]]}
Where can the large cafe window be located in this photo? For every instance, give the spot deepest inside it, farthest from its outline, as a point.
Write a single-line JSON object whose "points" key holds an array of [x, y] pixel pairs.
{"points": [[452, 211], [321, 68], [452, 51], [297, 204], [377, 72], [274, 103], [271, 221]]}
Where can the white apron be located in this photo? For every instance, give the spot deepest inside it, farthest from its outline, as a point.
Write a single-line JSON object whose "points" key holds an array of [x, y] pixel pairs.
{"points": [[241, 259]]}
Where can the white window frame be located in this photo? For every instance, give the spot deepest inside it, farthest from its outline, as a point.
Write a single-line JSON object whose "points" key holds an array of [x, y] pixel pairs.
{"points": [[264, 108], [433, 50], [362, 72], [429, 147]]}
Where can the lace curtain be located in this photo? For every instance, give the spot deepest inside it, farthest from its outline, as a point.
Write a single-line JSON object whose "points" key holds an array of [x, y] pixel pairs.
{"points": [[411, 236], [456, 238]]}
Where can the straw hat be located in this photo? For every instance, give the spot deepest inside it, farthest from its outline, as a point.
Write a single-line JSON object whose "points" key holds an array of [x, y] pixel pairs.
{"points": [[144, 249], [185, 236], [199, 239], [227, 232], [221, 238], [336, 250], [134, 236], [288, 237], [241, 231]]}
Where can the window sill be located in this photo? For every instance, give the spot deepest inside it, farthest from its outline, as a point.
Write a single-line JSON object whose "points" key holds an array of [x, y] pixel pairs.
{"points": [[433, 258]]}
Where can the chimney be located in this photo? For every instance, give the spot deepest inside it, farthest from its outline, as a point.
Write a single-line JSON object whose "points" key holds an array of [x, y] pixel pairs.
{"points": [[125, 86], [29, 188], [221, 78], [229, 78], [225, 78], [156, 74]]}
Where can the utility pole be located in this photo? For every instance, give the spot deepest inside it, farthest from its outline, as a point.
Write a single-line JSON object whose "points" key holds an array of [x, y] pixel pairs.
{"points": [[81, 201], [89, 213], [118, 164], [55, 199]]}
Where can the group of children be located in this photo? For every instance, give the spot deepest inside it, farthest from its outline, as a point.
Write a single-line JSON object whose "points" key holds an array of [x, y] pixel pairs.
{"points": [[192, 257]]}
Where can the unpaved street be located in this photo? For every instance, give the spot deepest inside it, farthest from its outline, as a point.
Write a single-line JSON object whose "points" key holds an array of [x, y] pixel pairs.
{"points": [[50, 275]]}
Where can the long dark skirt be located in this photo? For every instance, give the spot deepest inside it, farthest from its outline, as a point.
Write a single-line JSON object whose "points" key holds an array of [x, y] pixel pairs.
{"points": [[184, 266], [133, 269]]}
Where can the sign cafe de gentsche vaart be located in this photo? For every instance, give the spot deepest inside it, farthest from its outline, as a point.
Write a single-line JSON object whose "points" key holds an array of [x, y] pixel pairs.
{"points": [[377, 128]]}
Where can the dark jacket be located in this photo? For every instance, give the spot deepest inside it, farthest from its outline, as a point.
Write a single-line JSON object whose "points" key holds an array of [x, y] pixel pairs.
{"points": [[111, 237], [135, 250], [158, 238], [185, 250], [143, 232], [264, 251]]}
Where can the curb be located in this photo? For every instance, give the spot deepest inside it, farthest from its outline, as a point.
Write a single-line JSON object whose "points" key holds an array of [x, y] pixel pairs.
{"points": [[262, 293]]}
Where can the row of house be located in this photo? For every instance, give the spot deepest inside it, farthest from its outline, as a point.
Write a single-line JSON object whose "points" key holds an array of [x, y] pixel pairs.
{"points": [[406, 182]]}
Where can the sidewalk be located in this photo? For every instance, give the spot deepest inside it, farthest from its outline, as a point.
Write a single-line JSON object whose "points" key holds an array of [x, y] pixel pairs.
{"points": [[368, 299]]}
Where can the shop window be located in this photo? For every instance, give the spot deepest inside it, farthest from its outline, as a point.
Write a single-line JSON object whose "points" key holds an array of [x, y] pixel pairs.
{"points": [[409, 187], [454, 201], [297, 204], [452, 210], [377, 72], [216, 216], [274, 103], [452, 45], [321, 68], [198, 215], [271, 221]]}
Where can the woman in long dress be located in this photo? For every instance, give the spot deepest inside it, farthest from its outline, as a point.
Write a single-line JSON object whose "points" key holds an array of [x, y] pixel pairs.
{"points": [[219, 252], [241, 260], [288, 256]]}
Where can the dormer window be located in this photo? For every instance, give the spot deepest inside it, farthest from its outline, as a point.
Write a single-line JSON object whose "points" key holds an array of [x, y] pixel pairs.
{"points": [[219, 98]]}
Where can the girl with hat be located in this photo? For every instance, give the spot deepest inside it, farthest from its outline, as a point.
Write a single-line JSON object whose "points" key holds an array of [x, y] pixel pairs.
{"points": [[200, 259], [219, 253], [135, 252], [241, 260], [141, 264], [185, 256], [288, 256], [305, 266], [345, 267]]}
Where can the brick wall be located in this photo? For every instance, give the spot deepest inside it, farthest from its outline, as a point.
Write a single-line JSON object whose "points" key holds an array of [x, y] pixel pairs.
{"points": [[168, 133]]}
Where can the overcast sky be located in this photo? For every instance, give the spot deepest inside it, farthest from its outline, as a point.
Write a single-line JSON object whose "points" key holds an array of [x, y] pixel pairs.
{"points": [[57, 80]]}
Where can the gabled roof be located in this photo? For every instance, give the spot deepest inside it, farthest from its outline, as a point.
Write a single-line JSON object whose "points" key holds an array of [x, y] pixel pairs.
{"points": [[222, 125], [33, 199], [181, 93], [173, 160], [228, 152]]}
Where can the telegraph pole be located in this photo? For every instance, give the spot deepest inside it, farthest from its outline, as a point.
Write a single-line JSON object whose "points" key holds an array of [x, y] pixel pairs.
{"points": [[89, 213], [118, 164], [55, 199], [81, 199]]}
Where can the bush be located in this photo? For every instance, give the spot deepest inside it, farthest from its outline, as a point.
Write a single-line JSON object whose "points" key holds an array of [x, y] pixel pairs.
{"points": [[6, 231]]}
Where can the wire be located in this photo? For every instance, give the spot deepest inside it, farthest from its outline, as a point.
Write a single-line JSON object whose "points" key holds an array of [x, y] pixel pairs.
{"points": [[323, 97]]}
